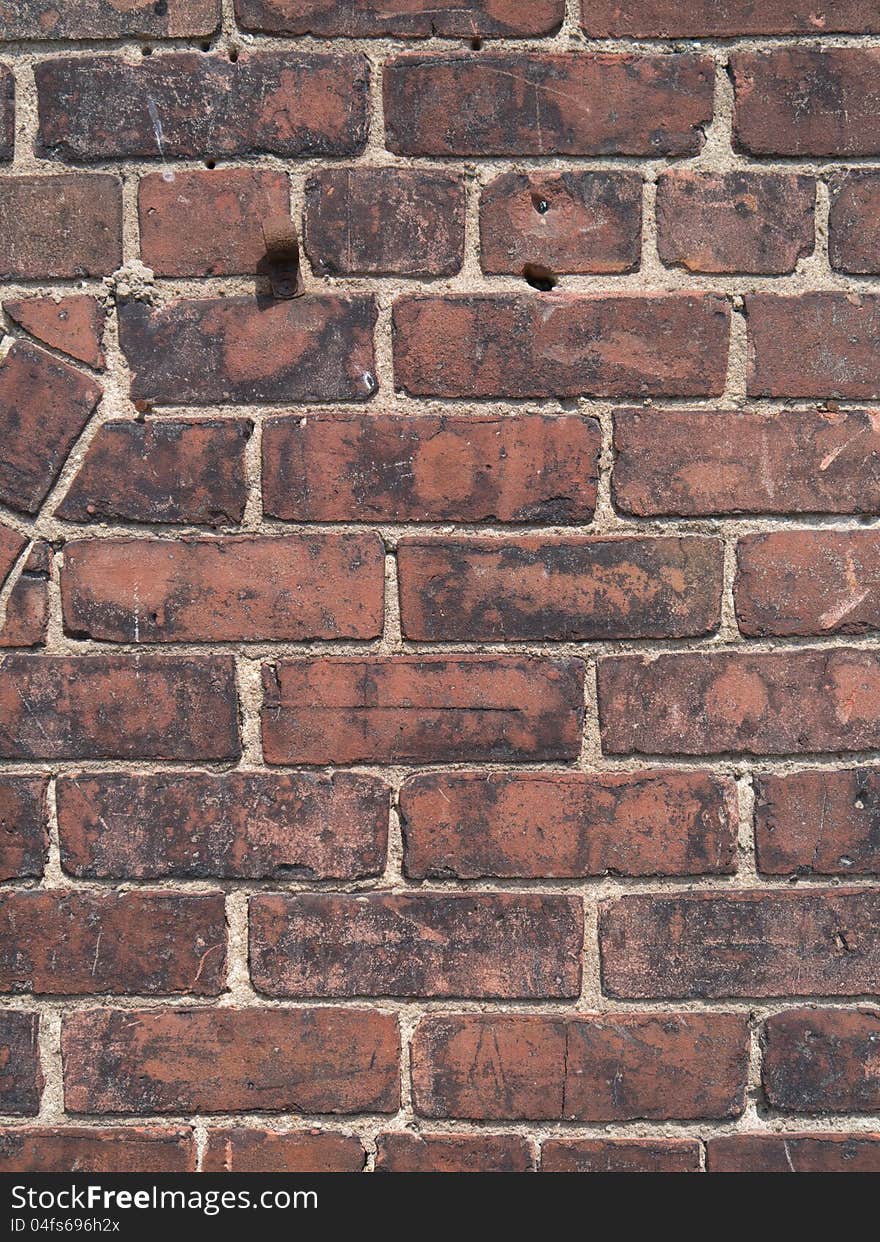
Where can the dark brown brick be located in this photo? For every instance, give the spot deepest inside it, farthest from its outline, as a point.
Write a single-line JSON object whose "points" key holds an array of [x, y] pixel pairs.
{"points": [[543, 588], [246, 589], [775, 703], [118, 707], [97, 108], [12, 544], [504, 945], [7, 114], [514, 104], [24, 835], [384, 221], [854, 222], [814, 345], [692, 463], [72, 325], [127, 1149], [608, 1067], [62, 227], [21, 1076], [402, 18], [421, 709], [620, 1156], [27, 605], [568, 222], [794, 1153], [237, 825], [452, 1153], [563, 345], [230, 1060], [467, 825], [734, 222], [232, 349], [811, 942], [272, 1151], [723, 19], [111, 19], [179, 471], [426, 468], [44, 406], [825, 822], [823, 1061]]}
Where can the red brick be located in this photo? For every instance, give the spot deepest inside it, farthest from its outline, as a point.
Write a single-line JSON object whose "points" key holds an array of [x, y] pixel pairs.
{"points": [[7, 114], [452, 1153], [180, 471], [111, 19], [402, 18], [823, 822], [27, 605], [808, 582], [515, 104], [814, 345], [608, 1067], [568, 222], [293, 587], [810, 942], [98, 108], [24, 835], [620, 1156], [422, 709], [235, 825], [467, 825], [543, 588], [21, 1077], [823, 1061], [722, 19], [44, 406], [692, 464], [232, 349], [62, 227], [504, 945], [424, 468], [854, 222], [80, 1149], [12, 544], [734, 222], [774, 703], [230, 1060], [208, 223], [62, 942], [794, 1153], [562, 345], [72, 325], [118, 707], [384, 221], [806, 101], [272, 1151]]}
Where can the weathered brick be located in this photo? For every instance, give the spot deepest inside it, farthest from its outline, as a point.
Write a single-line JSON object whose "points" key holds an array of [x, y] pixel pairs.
{"points": [[118, 707], [402, 18], [563, 345], [503, 945], [823, 1061], [794, 1153], [854, 222], [808, 582], [620, 1156], [811, 942], [110, 19], [127, 1149], [21, 1076], [825, 822], [608, 1067], [208, 222], [515, 104], [734, 222], [774, 703], [316, 348], [466, 825], [543, 588], [230, 1060], [424, 468], [293, 587], [271, 1151], [66, 942], [7, 114], [62, 227], [12, 544], [178, 471], [814, 345], [237, 825], [571, 221], [24, 835], [98, 108], [806, 101], [692, 463], [27, 605], [44, 406], [72, 325], [452, 1153], [418, 709], [723, 19]]}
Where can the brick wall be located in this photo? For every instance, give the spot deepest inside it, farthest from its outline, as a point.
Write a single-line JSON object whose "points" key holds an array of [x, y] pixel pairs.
{"points": [[439, 713]]}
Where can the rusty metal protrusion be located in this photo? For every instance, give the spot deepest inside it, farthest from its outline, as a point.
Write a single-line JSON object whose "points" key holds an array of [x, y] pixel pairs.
{"points": [[282, 257]]}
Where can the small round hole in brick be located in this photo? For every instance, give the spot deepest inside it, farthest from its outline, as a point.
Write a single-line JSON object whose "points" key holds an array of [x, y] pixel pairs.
{"points": [[540, 204], [540, 277]]}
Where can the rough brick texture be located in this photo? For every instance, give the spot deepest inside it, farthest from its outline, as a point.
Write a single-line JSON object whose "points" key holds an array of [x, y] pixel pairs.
{"points": [[827, 822], [823, 1062]]}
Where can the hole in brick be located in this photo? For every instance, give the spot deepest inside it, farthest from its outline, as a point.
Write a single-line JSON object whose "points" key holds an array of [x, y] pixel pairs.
{"points": [[210, 163], [539, 277], [540, 204], [146, 51]]}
